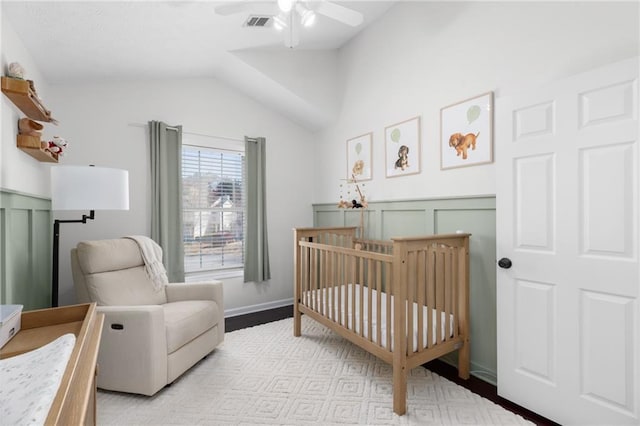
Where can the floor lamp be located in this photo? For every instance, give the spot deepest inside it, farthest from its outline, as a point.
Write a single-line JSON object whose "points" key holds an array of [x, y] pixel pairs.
{"points": [[84, 188]]}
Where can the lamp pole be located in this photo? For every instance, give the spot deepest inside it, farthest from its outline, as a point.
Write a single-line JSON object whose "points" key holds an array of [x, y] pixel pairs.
{"points": [[56, 256]]}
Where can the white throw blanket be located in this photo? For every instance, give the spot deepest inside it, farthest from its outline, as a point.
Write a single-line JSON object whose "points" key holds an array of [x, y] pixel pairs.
{"points": [[152, 257]]}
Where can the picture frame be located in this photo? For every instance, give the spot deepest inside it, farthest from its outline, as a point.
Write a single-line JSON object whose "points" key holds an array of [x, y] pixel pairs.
{"points": [[466, 132], [402, 148], [359, 157]]}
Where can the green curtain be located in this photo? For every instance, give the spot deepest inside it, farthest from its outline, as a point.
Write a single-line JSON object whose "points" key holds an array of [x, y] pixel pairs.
{"points": [[166, 195], [256, 260]]}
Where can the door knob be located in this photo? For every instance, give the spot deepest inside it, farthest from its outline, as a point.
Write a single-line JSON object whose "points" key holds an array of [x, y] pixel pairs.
{"points": [[505, 263]]}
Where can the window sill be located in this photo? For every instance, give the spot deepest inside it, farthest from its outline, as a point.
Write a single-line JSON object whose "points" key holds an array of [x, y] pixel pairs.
{"points": [[213, 275]]}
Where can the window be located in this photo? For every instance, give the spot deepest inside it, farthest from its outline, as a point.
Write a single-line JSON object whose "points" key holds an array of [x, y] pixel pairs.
{"points": [[213, 205]]}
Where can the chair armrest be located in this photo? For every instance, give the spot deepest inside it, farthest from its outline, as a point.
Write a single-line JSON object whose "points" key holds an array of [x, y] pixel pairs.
{"points": [[211, 290], [133, 353]]}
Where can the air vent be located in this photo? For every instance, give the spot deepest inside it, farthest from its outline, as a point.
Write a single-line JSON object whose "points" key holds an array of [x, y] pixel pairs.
{"points": [[258, 21]]}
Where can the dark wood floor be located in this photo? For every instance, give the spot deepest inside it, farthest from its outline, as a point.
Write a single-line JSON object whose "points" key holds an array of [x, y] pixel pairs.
{"points": [[445, 370]]}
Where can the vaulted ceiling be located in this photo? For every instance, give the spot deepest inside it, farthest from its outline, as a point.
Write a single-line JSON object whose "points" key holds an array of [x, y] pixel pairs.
{"points": [[95, 41]]}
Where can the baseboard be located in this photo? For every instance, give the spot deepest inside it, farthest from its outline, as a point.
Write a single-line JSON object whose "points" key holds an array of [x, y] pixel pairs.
{"points": [[234, 312]]}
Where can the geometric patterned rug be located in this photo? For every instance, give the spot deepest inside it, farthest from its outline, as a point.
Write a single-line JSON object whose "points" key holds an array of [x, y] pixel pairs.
{"points": [[263, 376]]}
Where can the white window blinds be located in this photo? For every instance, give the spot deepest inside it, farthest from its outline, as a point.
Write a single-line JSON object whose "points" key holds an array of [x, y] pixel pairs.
{"points": [[213, 208]]}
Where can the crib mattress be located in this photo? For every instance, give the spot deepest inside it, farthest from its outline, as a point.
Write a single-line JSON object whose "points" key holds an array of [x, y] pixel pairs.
{"points": [[327, 296]]}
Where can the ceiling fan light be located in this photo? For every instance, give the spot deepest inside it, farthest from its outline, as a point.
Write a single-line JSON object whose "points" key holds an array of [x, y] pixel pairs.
{"points": [[286, 5], [308, 18]]}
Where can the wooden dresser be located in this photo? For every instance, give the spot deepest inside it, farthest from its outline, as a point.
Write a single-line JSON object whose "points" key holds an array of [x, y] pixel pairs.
{"points": [[75, 401]]}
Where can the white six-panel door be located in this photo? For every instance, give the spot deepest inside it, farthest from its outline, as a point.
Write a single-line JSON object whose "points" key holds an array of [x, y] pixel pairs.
{"points": [[567, 160]]}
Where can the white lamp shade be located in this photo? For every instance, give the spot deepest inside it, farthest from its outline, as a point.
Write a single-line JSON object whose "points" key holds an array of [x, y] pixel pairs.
{"points": [[89, 188]]}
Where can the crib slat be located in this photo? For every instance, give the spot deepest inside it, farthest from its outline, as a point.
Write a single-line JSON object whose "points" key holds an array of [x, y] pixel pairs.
{"points": [[447, 293], [454, 293], [328, 255], [421, 283], [389, 318], [431, 291], [340, 285], [319, 295], [361, 295], [312, 277], [370, 278], [316, 280], [411, 289], [304, 255], [325, 283], [352, 281], [334, 282], [379, 302], [439, 294]]}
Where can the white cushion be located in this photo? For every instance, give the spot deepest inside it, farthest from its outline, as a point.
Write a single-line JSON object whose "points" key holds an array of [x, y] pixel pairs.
{"points": [[187, 320], [115, 275], [108, 255], [124, 288]]}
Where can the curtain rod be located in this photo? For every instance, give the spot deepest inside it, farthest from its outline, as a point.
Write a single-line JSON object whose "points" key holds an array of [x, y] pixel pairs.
{"points": [[191, 133]]}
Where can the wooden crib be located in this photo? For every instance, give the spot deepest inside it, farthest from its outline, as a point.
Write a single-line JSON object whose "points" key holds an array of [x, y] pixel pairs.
{"points": [[405, 301]]}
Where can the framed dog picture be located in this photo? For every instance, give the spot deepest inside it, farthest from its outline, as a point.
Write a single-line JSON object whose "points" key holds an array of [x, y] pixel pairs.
{"points": [[359, 157], [402, 148], [466, 132]]}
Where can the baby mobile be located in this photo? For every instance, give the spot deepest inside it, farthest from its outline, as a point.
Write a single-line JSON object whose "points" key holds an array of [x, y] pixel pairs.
{"points": [[354, 192]]}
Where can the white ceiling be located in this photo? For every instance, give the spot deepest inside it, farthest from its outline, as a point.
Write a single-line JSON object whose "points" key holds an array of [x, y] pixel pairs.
{"points": [[99, 41]]}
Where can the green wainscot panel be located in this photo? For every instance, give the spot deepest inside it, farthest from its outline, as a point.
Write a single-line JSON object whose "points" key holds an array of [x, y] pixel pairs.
{"points": [[403, 223], [25, 256], [482, 293], [326, 219]]}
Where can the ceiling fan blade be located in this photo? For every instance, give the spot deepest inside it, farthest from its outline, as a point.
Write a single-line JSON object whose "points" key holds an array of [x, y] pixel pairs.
{"points": [[339, 13]]}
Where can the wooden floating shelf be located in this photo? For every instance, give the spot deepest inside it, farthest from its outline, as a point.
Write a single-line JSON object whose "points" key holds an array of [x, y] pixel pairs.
{"points": [[24, 98], [31, 145]]}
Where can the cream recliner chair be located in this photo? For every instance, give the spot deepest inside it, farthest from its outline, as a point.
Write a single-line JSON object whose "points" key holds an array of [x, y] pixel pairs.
{"points": [[150, 336]]}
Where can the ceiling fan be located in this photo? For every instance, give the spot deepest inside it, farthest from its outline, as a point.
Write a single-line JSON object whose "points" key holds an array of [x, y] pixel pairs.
{"points": [[289, 15]]}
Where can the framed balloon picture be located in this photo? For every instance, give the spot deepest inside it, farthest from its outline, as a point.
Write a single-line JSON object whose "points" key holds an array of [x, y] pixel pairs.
{"points": [[466, 132], [402, 148], [359, 157]]}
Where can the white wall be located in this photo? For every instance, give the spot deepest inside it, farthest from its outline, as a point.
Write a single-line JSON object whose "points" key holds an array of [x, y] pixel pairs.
{"points": [[422, 56], [103, 126], [419, 57], [18, 171]]}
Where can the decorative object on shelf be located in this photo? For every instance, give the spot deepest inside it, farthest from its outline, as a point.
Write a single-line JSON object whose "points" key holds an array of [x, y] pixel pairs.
{"points": [[22, 93], [466, 132], [29, 127], [402, 148], [15, 70], [56, 146], [36, 148], [359, 157], [84, 188]]}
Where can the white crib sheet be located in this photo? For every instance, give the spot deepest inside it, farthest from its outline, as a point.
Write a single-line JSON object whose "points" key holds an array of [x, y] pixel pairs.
{"points": [[346, 309], [31, 380]]}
